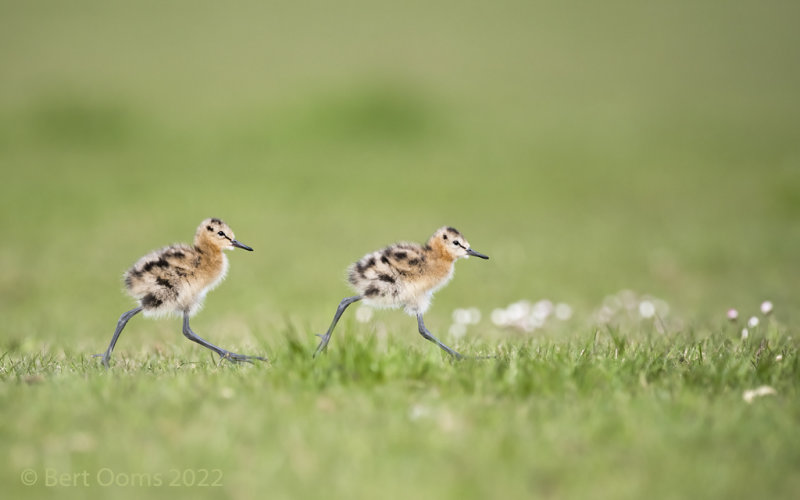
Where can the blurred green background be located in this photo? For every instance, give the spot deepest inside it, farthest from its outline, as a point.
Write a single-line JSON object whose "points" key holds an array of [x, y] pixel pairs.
{"points": [[586, 147]]}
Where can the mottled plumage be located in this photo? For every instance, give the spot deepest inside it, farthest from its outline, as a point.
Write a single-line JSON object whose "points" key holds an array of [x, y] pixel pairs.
{"points": [[176, 279], [406, 275]]}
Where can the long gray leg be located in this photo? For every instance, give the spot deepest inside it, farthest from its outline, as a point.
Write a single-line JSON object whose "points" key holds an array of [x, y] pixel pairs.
{"points": [[230, 356], [339, 310], [123, 320], [429, 336]]}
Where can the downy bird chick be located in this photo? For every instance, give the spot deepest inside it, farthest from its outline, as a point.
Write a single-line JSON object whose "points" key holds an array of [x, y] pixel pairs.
{"points": [[176, 279], [405, 275]]}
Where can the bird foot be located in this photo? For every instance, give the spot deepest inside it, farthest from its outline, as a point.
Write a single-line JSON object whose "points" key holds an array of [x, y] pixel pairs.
{"points": [[105, 357], [323, 343], [240, 358]]}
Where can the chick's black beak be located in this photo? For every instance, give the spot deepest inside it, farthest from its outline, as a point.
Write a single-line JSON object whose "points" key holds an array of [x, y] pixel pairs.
{"points": [[477, 254], [237, 244]]}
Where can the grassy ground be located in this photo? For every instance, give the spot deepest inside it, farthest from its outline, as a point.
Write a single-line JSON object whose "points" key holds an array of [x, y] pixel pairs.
{"points": [[602, 416], [586, 148]]}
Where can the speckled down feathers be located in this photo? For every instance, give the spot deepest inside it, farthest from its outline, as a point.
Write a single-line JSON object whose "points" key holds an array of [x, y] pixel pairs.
{"points": [[175, 279], [405, 274]]}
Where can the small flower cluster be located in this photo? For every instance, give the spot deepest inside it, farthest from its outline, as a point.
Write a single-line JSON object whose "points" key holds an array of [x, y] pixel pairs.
{"points": [[462, 318], [750, 395], [528, 316], [363, 314], [627, 305], [753, 321]]}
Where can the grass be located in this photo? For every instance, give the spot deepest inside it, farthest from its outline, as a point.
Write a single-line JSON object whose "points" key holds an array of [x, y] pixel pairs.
{"points": [[587, 149], [602, 414]]}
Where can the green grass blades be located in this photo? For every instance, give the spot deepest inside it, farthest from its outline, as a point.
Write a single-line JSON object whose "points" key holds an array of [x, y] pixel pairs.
{"points": [[600, 414], [588, 149]]}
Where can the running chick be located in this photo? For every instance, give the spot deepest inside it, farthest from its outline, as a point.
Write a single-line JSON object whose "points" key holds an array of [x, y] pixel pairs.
{"points": [[405, 275], [176, 279]]}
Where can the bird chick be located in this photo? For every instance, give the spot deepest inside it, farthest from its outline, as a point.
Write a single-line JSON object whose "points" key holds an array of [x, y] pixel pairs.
{"points": [[405, 275], [176, 279]]}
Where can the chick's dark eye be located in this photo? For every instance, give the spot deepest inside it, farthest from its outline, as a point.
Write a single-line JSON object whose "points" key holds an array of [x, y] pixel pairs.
{"points": [[457, 243], [221, 233]]}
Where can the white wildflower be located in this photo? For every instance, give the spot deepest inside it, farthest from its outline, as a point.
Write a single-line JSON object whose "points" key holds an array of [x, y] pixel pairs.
{"points": [[518, 310], [605, 314], [457, 330], [534, 322], [499, 317], [542, 309], [363, 314], [563, 311], [461, 317], [764, 390], [662, 308], [418, 411], [647, 309]]}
